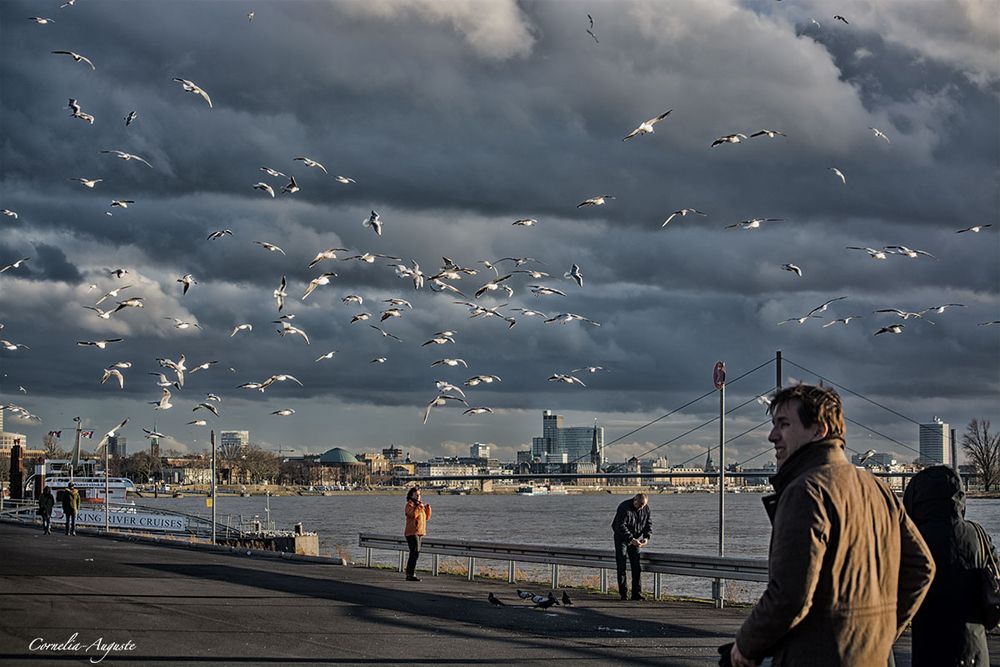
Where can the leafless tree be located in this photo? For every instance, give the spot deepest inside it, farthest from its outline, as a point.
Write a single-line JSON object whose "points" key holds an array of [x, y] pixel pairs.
{"points": [[50, 443], [260, 464], [141, 467], [983, 450]]}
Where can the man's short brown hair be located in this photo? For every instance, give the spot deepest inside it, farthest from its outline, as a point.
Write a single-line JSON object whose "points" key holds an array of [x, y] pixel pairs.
{"points": [[817, 405]]}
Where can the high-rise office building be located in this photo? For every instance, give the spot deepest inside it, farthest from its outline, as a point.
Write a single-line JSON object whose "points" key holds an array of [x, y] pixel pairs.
{"points": [[234, 441], [478, 450], [935, 443], [117, 446], [580, 444]]}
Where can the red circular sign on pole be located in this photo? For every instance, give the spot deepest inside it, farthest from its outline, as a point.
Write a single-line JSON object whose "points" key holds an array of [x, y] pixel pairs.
{"points": [[719, 374]]}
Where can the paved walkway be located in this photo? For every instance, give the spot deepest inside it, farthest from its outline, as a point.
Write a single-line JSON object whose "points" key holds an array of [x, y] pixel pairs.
{"points": [[165, 606]]}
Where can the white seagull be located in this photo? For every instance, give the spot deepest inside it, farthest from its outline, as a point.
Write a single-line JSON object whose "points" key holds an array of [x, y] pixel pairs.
{"points": [[575, 274], [729, 139], [88, 182], [192, 87], [269, 246], [681, 212], [975, 229], [280, 293], [646, 126], [219, 234], [839, 173], [879, 133], [15, 265], [128, 156], [77, 57], [309, 162], [187, 280], [113, 373], [599, 200], [99, 344], [892, 328], [771, 134], [872, 252], [241, 327], [566, 378], [265, 187], [794, 269], [78, 112], [374, 221], [344, 179], [322, 279]]}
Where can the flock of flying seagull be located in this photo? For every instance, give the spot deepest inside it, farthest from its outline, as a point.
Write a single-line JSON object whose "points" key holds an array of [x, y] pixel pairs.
{"points": [[505, 272]]}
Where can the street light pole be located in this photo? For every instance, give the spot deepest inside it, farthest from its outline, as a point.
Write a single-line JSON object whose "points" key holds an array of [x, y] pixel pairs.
{"points": [[212, 436], [107, 488]]}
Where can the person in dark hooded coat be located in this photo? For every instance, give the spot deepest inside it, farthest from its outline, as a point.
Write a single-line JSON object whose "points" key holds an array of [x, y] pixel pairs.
{"points": [[946, 630]]}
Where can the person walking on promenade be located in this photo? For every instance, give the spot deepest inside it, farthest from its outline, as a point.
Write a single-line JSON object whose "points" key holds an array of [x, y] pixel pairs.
{"points": [[847, 568], [70, 506], [632, 527], [417, 514], [948, 630], [46, 502]]}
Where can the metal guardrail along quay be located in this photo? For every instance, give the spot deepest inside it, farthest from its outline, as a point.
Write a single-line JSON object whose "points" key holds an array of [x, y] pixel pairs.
{"points": [[710, 567]]}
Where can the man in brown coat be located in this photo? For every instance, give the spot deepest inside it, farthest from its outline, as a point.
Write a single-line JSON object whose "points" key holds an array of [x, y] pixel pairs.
{"points": [[847, 568]]}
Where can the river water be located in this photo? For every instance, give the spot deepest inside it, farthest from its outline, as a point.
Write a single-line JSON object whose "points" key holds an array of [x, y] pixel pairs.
{"points": [[682, 523]]}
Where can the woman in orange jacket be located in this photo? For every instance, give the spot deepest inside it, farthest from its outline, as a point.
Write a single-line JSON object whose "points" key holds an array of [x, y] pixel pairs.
{"points": [[417, 514]]}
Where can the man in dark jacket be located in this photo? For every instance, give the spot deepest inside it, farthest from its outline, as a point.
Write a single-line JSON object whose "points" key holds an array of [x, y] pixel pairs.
{"points": [[70, 506], [847, 569], [46, 502], [946, 630], [632, 527]]}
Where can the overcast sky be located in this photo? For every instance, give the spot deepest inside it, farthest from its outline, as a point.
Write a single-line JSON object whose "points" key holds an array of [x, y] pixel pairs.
{"points": [[455, 119]]}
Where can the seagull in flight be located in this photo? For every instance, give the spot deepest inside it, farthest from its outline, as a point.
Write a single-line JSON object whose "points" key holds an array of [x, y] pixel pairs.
{"points": [[192, 87], [842, 320], [78, 112], [280, 293], [905, 314], [344, 179], [975, 229], [576, 274], [273, 172], [187, 280], [892, 328], [41, 20], [903, 250], [793, 268], [646, 126], [113, 373], [284, 412], [771, 134], [99, 344], [729, 139], [103, 314], [121, 203], [872, 252], [839, 173], [566, 378], [599, 200], [15, 265], [181, 324], [112, 433], [542, 290], [441, 399], [754, 223], [838, 17], [450, 362], [478, 411], [329, 253], [292, 187], [309, 162], [374, 221], [241, 327], [940, 309], [131, 116], [681, 212], [492, 285], [164, 402], [879, 133], [128, 156], [590, 30], [328, 355], [287, 328], [219, 234], [9, 213], [88, 182], [112, 293], [589, 369], [77, 57], [525, 222], [265, 187], [322, 279], [385, 334], [269, 246], [822, 307]]}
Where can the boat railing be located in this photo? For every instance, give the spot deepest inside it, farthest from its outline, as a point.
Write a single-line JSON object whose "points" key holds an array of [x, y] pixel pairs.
{"points": [[717, 568], [191, 526]]}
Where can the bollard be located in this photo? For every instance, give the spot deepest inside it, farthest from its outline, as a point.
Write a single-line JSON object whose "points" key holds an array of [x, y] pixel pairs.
{"points": [[555, 576], [511, 576], [401, 568], [657, 586], [435, 565], [368, 557], [472, 569]]}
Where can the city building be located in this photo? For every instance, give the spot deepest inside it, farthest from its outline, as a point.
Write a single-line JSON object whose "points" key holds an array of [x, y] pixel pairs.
{"points": [[233, 441], [478, 450], [393, 453], [578, 443], [523, 456], [442, 467], [340, 466], [117, 446], [935, 443]]}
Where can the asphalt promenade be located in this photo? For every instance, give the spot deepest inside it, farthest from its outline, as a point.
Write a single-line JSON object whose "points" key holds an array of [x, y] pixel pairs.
{"points": [[138, 604]]}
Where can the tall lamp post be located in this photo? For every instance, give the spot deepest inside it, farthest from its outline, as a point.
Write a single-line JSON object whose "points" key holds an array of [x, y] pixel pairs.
{"points": [[212, 436]]}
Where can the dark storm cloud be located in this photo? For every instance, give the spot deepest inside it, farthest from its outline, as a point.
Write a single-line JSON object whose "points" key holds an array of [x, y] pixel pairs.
{"points": [[451, 142]]}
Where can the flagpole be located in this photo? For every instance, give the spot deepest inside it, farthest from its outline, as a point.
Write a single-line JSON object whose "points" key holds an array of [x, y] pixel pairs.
{"points": [[75, 459]]}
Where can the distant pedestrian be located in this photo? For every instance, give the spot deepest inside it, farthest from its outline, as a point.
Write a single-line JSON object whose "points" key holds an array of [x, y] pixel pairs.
{"points": [[417, 514], [632, 527], [46, 502], [948, 629], [847, 569], [70, 506]]}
